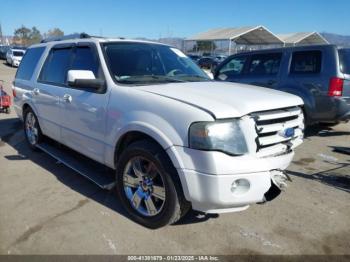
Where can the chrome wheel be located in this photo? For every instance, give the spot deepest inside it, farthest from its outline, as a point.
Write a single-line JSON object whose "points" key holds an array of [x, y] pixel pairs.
{"points": [[31, 128], [144, 186]]}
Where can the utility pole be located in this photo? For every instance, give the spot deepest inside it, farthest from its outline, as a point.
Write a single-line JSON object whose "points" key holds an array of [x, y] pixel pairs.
{"points": [[0, 33]]}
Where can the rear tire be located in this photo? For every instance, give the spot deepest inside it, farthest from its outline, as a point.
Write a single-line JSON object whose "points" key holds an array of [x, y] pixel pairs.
{"points": [[32, 129], [142, 170]]}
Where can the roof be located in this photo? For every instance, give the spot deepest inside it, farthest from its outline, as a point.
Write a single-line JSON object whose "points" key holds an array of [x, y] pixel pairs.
{"points": [[303, 38], [93, 40], [241, 35], [293, 48]]}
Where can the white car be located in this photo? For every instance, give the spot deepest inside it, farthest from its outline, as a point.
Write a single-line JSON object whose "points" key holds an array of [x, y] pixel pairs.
{"points": [[173, 138], [14, 56]]}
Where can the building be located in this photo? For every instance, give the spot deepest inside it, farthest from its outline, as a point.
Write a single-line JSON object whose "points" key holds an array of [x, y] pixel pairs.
{"points": [[237, 39], [302, 38]]}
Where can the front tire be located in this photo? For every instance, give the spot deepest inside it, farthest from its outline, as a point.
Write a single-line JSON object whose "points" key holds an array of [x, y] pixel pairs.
{"points": [[32, 129], [148, 185]]}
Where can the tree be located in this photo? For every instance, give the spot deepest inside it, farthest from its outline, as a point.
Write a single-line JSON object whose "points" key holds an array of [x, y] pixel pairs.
{"points": [[22, 35], [55, 32], [25, 36], [35, 36]]}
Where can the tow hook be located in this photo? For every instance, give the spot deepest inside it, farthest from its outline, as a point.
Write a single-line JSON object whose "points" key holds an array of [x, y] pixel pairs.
{"points": [[280, 178]]}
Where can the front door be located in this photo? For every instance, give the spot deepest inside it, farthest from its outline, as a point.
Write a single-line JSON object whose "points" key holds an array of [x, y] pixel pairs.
{"points": [[84, 110]]}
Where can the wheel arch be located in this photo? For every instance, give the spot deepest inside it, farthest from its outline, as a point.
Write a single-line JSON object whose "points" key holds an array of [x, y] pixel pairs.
{"points": [[26, 104], [130, 137], [139, 133]]}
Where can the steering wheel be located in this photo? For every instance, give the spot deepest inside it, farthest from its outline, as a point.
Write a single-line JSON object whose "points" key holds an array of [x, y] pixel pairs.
{"points": [[174, 72]]}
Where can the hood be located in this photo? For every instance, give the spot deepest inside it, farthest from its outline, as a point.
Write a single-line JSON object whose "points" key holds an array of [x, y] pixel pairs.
{"points": [[224, 99]]}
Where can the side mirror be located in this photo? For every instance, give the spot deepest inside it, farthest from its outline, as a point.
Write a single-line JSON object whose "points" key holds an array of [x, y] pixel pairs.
{"points": [[84, 79]]}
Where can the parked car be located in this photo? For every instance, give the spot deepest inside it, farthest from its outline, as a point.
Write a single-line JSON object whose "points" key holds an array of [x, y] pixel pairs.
{"points": [[3, 51], [173, 138], [220, 58], [207, 62], [195, 58], [14, 56], [320, 75]]}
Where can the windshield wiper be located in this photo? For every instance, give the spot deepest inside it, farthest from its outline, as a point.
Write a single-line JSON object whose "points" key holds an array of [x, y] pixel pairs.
{"points": [[166, 78], [196, 77], [147, 78]]}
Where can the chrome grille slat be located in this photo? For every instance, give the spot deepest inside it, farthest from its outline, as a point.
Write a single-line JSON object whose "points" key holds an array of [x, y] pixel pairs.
{"points": [[279, 126], [275, 114], [270, 128], [274, 139]]}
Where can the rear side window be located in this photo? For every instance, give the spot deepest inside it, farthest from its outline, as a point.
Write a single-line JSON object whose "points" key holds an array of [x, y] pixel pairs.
{"points": [[265, 64], [306, 62], [344, 60], [29, 62], [85, 59], [234, 66], [56, 66]]}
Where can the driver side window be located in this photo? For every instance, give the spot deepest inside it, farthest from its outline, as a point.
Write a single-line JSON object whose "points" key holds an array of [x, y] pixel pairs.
{"points": [[233, 68]]}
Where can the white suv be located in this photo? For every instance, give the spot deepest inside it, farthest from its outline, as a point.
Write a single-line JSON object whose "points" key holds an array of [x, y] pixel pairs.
{"points": [[174, 138], [14, 56]]}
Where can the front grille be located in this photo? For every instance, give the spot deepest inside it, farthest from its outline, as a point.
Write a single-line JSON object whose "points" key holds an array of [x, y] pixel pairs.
{"points": [[271, 127]]}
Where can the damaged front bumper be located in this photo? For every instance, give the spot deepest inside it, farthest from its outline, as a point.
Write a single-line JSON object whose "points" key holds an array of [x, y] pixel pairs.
{"points": [[279, 179], [215, 182], [231, 193]]}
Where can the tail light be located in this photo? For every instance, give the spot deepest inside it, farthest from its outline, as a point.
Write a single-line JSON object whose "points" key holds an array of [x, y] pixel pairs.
{"points": [[335, 86]]}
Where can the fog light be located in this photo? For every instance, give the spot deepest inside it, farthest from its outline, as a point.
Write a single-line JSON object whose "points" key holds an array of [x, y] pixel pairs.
{"points": [[240, 186]]}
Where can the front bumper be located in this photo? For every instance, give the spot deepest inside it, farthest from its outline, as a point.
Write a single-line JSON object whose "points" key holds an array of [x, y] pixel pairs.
{"points": [[16, 63], [212, 193], [207, 178]]}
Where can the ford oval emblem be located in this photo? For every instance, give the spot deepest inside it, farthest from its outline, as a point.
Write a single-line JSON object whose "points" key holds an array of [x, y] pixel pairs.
{"points": [[288, 132]]}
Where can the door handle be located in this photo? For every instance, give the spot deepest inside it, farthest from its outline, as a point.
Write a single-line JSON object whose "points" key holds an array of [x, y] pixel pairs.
{"points": [[36, 91], [67, 98]]}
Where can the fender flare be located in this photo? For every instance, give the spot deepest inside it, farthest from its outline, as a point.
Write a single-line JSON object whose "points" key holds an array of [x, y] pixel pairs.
{"points": [[142, 127], [27, 100]]}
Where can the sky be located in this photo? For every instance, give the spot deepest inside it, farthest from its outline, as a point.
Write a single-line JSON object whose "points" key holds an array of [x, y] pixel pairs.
{"points": [[174, 18]]}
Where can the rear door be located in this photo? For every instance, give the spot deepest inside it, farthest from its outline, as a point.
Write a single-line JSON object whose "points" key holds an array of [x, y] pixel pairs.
{"points": [[84, 113], [50, 88], [263, 70], [307, 78]]}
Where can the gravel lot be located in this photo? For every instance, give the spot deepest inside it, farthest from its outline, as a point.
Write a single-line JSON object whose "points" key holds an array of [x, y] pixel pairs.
{"points": [[46, 208]]}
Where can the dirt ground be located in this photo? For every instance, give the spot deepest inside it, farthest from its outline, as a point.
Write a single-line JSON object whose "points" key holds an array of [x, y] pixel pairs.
{"points": [[46, 208]]}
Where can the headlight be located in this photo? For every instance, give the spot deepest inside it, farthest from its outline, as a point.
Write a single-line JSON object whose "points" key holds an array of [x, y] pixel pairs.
{"points": [[222, 135]]}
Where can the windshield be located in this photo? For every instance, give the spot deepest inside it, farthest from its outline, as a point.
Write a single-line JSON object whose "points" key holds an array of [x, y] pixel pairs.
{"points": [[144, 63], [344, 59], [18, 53]]}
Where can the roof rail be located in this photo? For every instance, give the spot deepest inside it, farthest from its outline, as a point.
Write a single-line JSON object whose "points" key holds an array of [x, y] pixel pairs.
{"points": [[67, 37]]}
